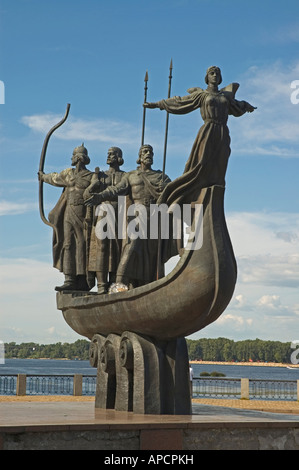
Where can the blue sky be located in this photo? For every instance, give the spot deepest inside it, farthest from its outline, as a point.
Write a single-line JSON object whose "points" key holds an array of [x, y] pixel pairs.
{"points": [[94, 54]]}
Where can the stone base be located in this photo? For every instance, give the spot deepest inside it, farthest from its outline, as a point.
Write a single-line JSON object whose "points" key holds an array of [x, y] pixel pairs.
{"points": [[79, 426], [139, 374]]}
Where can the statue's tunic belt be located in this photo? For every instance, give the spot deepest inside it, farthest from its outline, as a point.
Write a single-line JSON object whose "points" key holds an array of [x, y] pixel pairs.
{"points": [[214, 121], [146, 201], [75, 200]]}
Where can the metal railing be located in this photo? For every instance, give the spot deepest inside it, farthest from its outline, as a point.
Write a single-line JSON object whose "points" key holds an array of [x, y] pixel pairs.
{"points": [[273, 389], [8, 384], [49, 385], [215, 387], [202, 387], [257, 389], [34, 384]]}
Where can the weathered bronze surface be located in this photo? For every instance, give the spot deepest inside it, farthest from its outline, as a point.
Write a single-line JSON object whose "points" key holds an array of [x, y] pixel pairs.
{"points": [[208, 159], [138, 262], [68, 217], [189, 298], [104, 253], [139, 374], [137, 335]]}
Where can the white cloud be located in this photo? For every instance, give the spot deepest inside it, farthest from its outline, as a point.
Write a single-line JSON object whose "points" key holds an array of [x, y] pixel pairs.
{"points": [[265, 302], [289, 237], [272, 129], [27, 277], [28, 303], [255, 233], [269, 301], [16, 208], [270, 270], [239, 302], [101, 130], [266, 262], [235, 320]]}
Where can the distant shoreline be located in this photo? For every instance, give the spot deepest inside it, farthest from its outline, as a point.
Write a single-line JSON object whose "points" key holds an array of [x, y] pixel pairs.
{"points": [[267, 364], [47, 358], [223, 363]]}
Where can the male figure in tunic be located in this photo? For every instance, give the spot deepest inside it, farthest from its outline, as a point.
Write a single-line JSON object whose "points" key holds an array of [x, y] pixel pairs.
{"points": [[139, 258], [68, 219], [104, 253]]}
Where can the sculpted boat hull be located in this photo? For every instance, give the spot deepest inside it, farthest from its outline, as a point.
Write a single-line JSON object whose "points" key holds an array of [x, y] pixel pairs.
{"points": [[188, 299]]}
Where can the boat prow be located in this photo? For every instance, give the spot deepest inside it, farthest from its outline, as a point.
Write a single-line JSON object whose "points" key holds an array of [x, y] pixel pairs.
{"points": [[188, 299]]}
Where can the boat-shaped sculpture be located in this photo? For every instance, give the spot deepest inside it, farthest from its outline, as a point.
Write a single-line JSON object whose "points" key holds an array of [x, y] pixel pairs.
{"points": [[188, 299], [138, 336]]}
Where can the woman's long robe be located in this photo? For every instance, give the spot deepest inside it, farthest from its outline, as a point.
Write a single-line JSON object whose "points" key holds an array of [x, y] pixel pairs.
{"points": [[209, 156]]}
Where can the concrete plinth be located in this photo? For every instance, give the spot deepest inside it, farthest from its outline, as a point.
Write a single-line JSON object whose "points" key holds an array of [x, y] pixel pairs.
{"points": [[79, 426]]}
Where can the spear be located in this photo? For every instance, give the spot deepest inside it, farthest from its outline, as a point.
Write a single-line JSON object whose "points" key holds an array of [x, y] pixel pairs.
{"points": [[144, 110], [159, 251], [167, 118]]}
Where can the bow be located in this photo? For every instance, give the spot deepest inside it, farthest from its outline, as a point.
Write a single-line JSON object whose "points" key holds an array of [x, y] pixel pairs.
{"points": [[42, 162]]}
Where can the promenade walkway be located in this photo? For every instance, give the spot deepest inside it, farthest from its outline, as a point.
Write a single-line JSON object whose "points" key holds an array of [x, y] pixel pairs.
{"points": [[271, 406], [72, 423]]}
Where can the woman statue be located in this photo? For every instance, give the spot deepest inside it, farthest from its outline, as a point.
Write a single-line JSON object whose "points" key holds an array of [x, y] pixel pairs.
{"points": [[208, 160]]}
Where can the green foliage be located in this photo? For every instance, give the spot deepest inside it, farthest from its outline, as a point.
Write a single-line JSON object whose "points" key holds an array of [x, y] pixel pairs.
{"points": [[77, 350], [205, 349], [212, 374], [217, 374], [226, 350]]}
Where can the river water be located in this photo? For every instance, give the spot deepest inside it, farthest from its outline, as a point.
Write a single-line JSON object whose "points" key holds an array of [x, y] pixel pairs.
{"points": [[46, 366], [68, 367]]}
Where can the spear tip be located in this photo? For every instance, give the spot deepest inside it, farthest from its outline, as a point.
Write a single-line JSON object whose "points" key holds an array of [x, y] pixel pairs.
{"points": [[171, 64], [146, 77]]}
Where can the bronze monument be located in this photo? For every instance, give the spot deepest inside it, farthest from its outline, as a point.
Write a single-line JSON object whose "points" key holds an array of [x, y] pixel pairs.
{"points": [[138, 332]]}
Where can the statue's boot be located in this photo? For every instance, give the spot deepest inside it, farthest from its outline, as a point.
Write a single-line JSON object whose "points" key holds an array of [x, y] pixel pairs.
{"points": [[102, 288], [70, 283]]}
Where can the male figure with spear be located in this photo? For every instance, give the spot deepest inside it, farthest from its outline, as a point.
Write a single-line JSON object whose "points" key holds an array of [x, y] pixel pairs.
{"points": [[160, 266], [138, 263]]}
